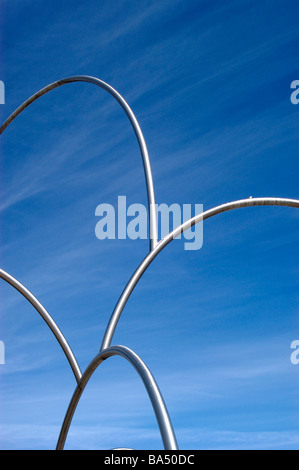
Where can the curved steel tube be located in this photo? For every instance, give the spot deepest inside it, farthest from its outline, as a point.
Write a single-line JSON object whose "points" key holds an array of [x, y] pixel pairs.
{"points": [[171, 236], [166, 429], [48, 319], [135, 125], [156, 247]]}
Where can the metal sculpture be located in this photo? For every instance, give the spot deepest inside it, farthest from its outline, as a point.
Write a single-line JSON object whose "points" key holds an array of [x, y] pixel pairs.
{"points": [[156, 246]]}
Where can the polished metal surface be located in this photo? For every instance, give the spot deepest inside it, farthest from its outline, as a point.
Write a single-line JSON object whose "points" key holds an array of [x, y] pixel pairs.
{"points": [[163, 420], [106, 350]]}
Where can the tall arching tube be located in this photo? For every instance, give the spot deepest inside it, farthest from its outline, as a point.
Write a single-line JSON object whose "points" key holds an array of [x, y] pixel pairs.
{"points": [[135, 125]]}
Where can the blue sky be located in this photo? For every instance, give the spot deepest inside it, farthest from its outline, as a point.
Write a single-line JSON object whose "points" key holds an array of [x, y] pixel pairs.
{"points": [[209, 83]]}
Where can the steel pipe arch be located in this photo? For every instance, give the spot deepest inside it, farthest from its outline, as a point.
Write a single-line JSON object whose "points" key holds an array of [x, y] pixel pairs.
{"points": [[158, 404], [134, 123], [250, 202]]}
